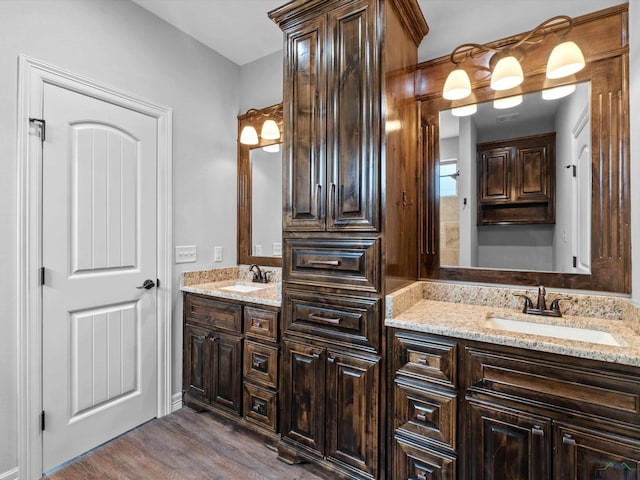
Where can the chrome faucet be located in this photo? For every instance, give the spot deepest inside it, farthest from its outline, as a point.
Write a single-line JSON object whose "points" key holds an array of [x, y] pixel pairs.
{"points": [[258, 275], [541, 304]]}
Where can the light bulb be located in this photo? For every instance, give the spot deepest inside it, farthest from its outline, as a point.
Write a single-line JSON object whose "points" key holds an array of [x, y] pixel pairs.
{"points": [[565, 59], [508, 102], [249, 136], [270, 130], [457, 85], [558, 92], [464, 111], [506, 74]]}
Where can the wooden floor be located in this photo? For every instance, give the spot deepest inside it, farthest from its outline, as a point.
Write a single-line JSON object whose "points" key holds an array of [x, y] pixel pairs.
{"points": [[186, 446]]}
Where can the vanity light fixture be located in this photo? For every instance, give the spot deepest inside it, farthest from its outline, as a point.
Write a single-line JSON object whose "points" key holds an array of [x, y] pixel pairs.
{"points": [[504, 65], [249, 136], [269, 130]]}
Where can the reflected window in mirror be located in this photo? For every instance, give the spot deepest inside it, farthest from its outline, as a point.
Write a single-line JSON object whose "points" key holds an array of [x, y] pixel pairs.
{"points": [[530, 206], [260, 187]]}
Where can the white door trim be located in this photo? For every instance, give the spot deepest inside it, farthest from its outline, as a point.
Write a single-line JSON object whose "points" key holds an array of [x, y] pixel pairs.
{"points": [[33, 74]]}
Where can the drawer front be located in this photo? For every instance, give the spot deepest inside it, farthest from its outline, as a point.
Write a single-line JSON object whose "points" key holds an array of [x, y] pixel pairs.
{"points": [[261, 406], [425, 414], [350, 319], [338, 263], [212, 313], [426, 358], [261, 323], [414, 463], [261, 364], [582, 389]]}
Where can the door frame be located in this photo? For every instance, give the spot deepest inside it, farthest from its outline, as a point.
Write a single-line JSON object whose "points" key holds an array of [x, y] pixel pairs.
{"points": [[32, 76]]}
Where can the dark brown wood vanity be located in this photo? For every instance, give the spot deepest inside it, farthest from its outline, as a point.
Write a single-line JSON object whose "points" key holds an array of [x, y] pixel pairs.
{"points": [[323, 377]]}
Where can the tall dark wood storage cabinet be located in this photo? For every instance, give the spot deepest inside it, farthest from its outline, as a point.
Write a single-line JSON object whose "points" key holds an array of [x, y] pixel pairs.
{"points": [[350, 220]]}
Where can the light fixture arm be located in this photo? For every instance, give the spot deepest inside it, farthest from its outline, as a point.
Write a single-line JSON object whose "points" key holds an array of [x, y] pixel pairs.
{"points": [[474, 50]]}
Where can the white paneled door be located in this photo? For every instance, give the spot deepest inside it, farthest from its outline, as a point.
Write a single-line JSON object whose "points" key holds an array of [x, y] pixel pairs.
{"points": [[99, 244]]}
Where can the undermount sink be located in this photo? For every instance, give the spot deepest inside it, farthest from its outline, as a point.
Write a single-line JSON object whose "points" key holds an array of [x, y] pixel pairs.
{"points": [[556, 331], [242, 288]]}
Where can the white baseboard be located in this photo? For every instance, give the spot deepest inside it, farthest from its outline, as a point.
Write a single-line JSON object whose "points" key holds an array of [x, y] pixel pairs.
{"points": [[176, 404], [10, 474]]}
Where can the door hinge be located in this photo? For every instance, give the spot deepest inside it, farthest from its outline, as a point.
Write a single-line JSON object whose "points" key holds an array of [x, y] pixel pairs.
{"points": [[575, 262], [41, 276], [575, 168], [43, 127], [157, 283], [42, 425]]}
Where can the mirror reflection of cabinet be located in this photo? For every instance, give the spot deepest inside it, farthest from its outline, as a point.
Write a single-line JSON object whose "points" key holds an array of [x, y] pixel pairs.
{"points": [[260, 192], [517, 180]]}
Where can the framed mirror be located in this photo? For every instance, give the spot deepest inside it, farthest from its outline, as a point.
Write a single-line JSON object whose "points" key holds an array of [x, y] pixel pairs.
{"points": [[605, 237], [260, 191]]}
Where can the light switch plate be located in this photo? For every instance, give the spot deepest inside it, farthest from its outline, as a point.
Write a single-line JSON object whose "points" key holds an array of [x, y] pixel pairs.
{"points": [[217, 254], [186, 254], [277, 249], [257, 250]]}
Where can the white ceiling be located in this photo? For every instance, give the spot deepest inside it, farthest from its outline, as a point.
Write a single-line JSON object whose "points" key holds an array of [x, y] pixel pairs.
{"points": [[241, 31]]}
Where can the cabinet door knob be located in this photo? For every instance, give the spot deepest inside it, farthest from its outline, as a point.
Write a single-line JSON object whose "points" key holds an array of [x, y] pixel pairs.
{"points": [[421, 417], [568, 439], [331, 359]]}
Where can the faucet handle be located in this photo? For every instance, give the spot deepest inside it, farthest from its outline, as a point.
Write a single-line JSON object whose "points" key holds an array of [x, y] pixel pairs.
{"points": [[555, 304], [528, 304]]}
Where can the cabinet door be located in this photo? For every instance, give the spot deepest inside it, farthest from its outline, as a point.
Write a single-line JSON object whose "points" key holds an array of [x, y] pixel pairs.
{"points": [[590, 454], [304, 100], [533, 180], [353, 130], [195, 378], [495, 178], [226, 372], [352, 410], [303, 395], [508, 444]]}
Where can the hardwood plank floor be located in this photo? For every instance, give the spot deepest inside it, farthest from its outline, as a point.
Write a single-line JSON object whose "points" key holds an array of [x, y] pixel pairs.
{"points": [[186, 446]]}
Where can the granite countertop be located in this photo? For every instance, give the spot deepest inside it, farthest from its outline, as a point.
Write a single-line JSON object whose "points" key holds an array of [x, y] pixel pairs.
{"points": [[470, 322], [269, 293]]}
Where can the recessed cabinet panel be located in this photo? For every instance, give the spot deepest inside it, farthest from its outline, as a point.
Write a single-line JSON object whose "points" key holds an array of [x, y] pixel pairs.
{"points": [[261, 324], [340, 318], [212, 313], [227, 372], [195, 360], [420, 356], [531, 171], [304, 104], [495, 183], [260, 406], [352, 429], [345, 263], [352, 163], [303, 384], [508, 444], [261, 364], [425, 414], [422, 463], [589, 454]]}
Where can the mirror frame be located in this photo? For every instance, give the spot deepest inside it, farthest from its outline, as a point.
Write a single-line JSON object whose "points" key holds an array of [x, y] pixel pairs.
{"points": [[255, 118], [602, 36]]}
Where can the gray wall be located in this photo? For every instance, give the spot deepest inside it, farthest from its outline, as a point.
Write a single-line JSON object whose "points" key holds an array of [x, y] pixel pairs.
{"points": [[122, 45]]}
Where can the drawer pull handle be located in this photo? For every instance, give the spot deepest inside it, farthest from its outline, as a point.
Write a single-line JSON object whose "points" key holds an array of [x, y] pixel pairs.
{"points": [[318, 318], [332, 201], [259, 365], [536, 430], [421, 417], [331, 359], [333, 263], [423, 361], [422, 475], [316, 356], [258, 324], [566, 438]]}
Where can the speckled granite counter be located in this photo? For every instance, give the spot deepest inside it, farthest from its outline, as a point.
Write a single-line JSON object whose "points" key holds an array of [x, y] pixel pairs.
{"points": [[211, 282], [410, 308]]}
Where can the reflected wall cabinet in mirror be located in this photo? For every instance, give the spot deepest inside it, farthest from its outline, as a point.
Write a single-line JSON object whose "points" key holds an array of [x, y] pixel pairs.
{"points": [[583, 241], [260, 190]]}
